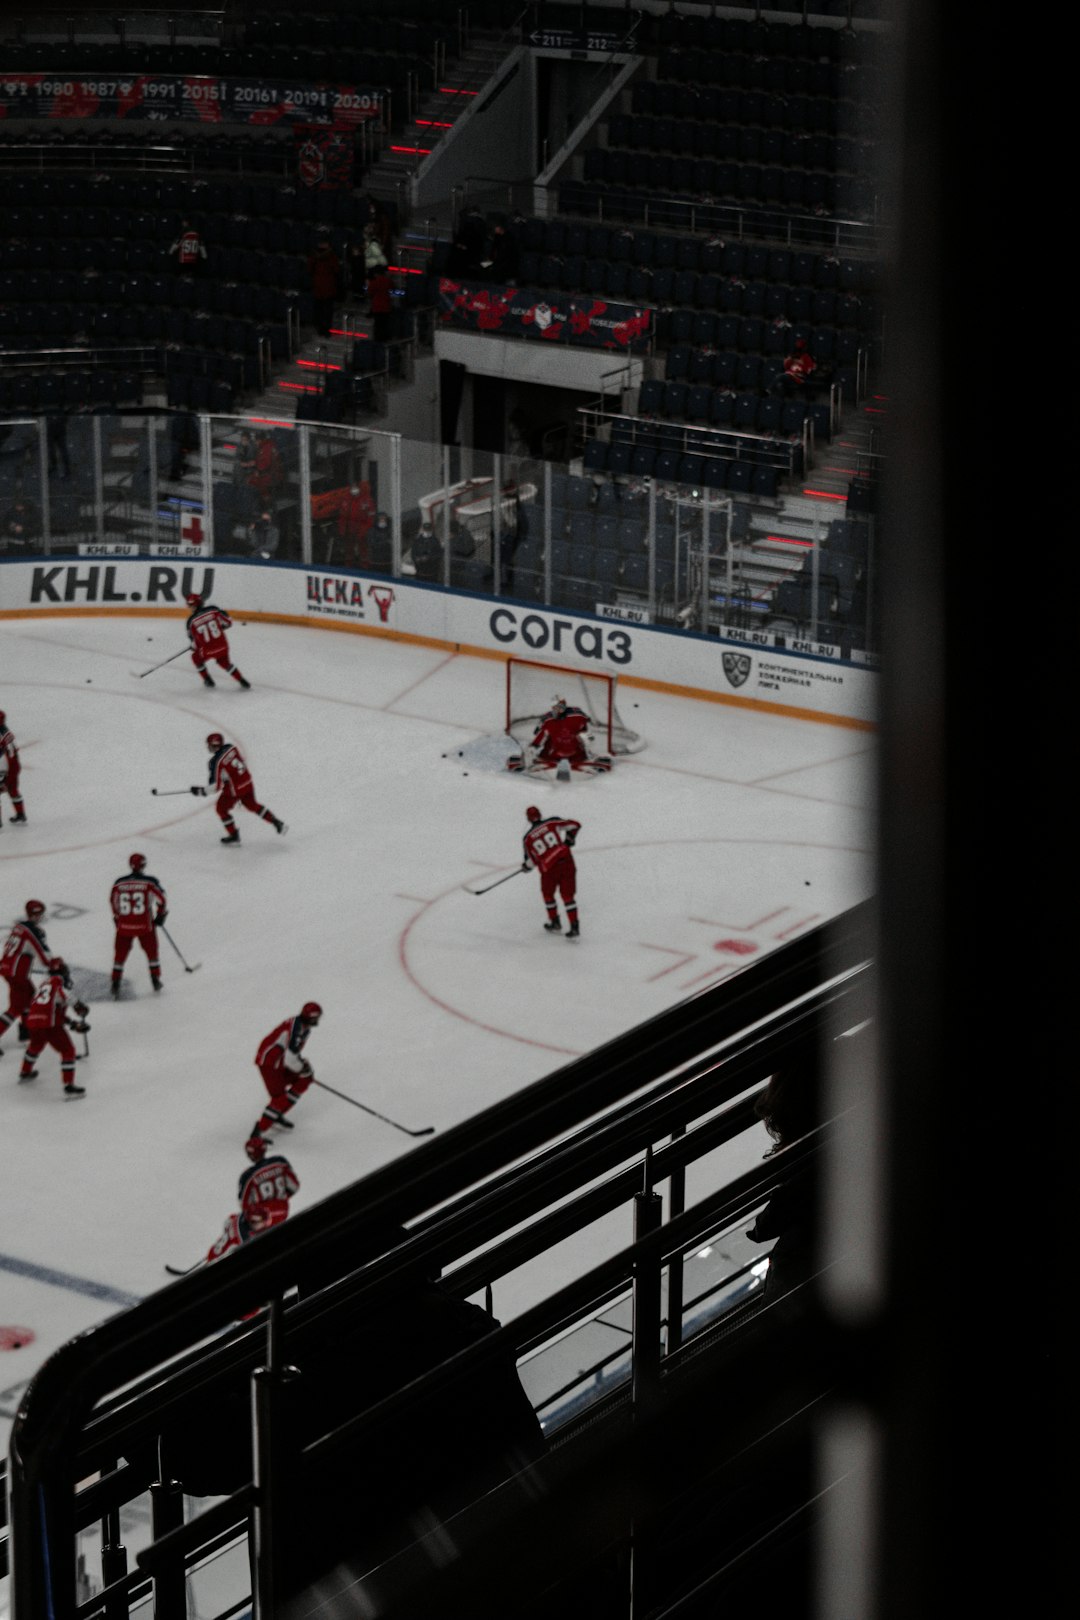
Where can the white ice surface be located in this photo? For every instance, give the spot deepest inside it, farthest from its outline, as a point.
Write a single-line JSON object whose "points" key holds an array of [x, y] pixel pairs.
{"points": [[731, 833]]}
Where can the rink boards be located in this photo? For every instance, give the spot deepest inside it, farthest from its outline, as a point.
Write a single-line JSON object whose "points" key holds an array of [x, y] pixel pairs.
{"points": [[751, 670]]}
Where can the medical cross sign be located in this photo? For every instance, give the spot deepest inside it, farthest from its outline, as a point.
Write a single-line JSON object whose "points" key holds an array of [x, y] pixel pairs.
{"points": [[191, 529]]}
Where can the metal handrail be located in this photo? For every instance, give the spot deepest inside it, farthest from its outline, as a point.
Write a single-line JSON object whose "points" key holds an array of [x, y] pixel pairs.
{"points": [[45, 1442], [697, 440]]}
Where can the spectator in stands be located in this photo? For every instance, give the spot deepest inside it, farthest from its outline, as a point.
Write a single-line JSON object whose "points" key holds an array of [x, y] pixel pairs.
{"points": [[264, 536], [799, 368], [382, 230], [789, 1111], [189, 249], [355, 516], [374, 253], [472, 234], [267, 475], [243, 474], [462, 540], [381, 544], [324, 268], [21, 525], [184, 439], [501, 258], [457, 258], [381, 304], [427, 554], [56, 437]]}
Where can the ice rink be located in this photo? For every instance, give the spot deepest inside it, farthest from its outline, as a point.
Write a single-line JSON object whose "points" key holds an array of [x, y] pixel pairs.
{"points": [[731, 833]]}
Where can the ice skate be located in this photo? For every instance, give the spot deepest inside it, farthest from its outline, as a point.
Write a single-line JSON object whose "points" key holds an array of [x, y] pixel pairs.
{"points": [[208, 680], [553, 927], [27, 1074], [72, 1090], [573, 932], [231, 837]]}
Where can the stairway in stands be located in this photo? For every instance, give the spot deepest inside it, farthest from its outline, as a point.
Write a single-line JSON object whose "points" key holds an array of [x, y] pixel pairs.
{"points": [[389, 178]]}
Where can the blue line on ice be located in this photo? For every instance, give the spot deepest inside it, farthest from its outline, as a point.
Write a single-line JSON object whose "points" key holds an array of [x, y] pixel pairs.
{"points": [[63, 1279]]}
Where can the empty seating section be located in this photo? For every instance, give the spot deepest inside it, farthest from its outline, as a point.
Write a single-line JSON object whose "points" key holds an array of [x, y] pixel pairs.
{"points": [[738, 114], [838, 608], [117, 286], [599, 547]]}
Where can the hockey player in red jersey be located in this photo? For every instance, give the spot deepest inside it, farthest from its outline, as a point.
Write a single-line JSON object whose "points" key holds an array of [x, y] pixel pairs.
{"points": [[47, 1021], [548, 844], [266, 1188], [206, 627], [9, 770], [138, 908], [232, 779], [25, 948], [560, 736], [286, 1073]]}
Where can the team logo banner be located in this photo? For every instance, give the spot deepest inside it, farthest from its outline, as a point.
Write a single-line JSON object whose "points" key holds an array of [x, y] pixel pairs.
{"points": [[575, 319], [324, 160], [161, 96]]}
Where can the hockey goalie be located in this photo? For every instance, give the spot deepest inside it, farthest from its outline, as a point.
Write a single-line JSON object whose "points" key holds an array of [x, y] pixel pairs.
{"points": [[559, 744]]}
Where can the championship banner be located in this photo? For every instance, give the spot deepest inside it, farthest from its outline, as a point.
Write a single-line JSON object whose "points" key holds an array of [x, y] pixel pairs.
{"points": [[211, 100], [579, 320]]}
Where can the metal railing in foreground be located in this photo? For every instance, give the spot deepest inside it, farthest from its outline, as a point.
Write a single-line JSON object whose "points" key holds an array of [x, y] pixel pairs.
{"points": [[476, 1204]]}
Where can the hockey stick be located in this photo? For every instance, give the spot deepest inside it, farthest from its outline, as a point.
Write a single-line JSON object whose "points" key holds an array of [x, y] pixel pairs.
{"points": [[184, 1271], [517, 870], [428, 1130], [140, 674], [187, 967], [168, 793]]}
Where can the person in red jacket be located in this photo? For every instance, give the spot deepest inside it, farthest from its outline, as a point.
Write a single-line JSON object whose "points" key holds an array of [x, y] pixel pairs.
{"points": [[799, 367], [380, 291], [9, 769], [232, 779], [138, 908], [267, 474], [47, 1021], [355, 516], [24, 949], [324, 268], [548, 845], [189, 249], [286, 1073]]}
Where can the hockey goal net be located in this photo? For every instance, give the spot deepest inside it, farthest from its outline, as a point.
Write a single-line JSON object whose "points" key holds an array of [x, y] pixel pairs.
{"points": [[531, 689]]}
